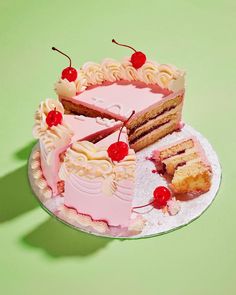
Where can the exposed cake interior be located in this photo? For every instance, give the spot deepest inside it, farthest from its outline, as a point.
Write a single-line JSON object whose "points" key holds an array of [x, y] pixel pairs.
{"points": [[185, 166], [157, 111]]}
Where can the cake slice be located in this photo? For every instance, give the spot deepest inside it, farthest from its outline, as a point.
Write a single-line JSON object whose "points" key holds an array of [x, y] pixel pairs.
{"points": [[96, 186], [113, 90], [185, 166], [54, 140]]}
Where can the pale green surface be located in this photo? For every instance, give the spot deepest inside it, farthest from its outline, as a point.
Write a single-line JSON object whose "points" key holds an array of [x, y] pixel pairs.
{"points": [[42, 256]]}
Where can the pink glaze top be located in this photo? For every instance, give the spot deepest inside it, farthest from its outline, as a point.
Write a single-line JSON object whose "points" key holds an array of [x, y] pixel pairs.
{"points": [[119, 99], [86, 128], [107, 141]]}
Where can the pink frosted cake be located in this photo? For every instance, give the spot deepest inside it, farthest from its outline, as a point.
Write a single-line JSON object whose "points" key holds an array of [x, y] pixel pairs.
{"points": [[87, 156]]}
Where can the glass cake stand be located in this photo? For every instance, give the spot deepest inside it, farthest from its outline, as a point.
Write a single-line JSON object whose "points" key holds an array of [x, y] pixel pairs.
{"points": [[157, 222]]}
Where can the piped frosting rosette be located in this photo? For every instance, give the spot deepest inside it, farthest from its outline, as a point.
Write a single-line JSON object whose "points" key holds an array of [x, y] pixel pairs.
{"points": [[54, 136], [85, 159], [165, 75]]}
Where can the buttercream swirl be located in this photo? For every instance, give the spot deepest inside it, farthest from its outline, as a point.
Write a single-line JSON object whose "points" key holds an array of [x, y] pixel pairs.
{"points": [[50, 137], [130, 73], [39, 179], [44, 108], [113, 71], [81, 81], [94, 73], [87, 160], [149, 72], [65, 88], [165, 75]]}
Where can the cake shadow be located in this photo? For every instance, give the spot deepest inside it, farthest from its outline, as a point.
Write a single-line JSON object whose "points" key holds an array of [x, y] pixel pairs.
{"points": [[16, 196], [15, 189], [58, 240], [24, 153]]}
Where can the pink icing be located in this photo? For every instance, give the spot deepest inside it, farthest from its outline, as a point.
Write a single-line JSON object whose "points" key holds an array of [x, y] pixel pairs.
{"points": [[113, 138], [84, 129], [50, 170], [120, 98], [86, 197]]}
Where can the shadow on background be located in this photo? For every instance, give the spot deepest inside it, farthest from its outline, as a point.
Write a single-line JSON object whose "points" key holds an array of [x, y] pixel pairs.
{"points": [[24, 153], [58, 240], [55, 238], [16, 197]]}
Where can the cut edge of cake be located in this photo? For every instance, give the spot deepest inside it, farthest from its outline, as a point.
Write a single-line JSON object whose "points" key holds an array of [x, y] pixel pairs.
{"points": [[185, 166]]}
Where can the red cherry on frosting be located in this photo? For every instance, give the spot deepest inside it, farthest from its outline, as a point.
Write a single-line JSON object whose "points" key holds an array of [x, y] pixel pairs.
{"points": [[68, 73], [117, 151], [54, 118], [138, 58], [161, 196]]}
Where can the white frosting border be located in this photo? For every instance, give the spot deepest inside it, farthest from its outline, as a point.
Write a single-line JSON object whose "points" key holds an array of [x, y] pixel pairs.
{"points": [[91, 74]]}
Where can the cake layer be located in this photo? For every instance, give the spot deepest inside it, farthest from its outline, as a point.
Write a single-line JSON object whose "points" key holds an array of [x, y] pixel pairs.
{"points": [[191, 178], [171, 163], [185, 166], [178, 147], [172, 114], [153, 135]]}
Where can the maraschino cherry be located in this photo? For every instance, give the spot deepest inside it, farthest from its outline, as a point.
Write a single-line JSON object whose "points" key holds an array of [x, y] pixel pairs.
{"points": [[68, 73], [138, 58], [54, 118], [161, 196], [117, 151]]}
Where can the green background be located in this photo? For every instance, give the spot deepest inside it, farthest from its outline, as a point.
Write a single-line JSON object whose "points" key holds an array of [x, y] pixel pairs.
{"points": [[41, 256]]}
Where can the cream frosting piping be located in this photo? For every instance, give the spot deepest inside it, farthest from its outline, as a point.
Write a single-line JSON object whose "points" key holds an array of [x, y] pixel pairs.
{"points": [[51, 137], [37, 174], [86, 160], [165, 75]]}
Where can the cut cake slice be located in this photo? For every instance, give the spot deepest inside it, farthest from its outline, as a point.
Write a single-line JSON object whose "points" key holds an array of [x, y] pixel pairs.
{"points": [[54, 141], [185, 166], [106, 193], [157, 111]]}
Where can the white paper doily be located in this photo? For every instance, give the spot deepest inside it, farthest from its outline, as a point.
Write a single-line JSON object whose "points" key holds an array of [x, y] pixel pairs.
{"points": [[157, 222]]}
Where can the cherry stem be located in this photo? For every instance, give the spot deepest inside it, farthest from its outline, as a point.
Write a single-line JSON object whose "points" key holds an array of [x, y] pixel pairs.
{"points": [[124, 124], [138, 207], [114, 41], [54, 48]]}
